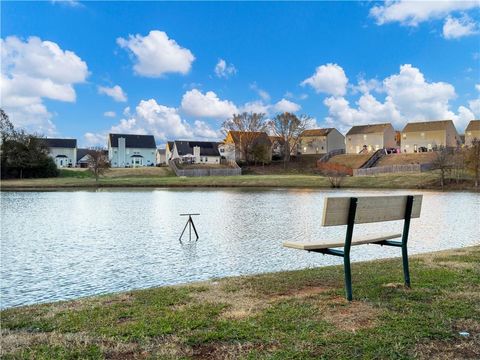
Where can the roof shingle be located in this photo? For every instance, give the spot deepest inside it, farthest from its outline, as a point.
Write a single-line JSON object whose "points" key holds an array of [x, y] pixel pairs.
{"points": [[368, 129], [134, 141], [427, 125]]}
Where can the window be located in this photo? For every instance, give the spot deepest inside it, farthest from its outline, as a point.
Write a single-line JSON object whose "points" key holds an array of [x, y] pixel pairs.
{"points": [[404, 136], [364, 137], [422, 134]]}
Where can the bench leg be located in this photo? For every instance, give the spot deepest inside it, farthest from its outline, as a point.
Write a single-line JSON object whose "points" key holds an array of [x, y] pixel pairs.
{"points": [[406, 272], [348, 277]]}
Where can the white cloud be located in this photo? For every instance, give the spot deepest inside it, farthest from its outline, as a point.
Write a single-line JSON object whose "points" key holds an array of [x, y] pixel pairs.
{"points": [[71, 3], [477, 86], [111, 114], [262, 93], [285, 105], [409, 97], [412, 13], [258, 107], [475, 108], [329, 79], [34, 70], [208, 105], [116, 93], [224, 70], [156, 54], [164, 122], [455, 28]]}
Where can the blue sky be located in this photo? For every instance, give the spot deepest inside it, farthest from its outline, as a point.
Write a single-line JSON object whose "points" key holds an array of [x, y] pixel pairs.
{"points": [[178, 70]]}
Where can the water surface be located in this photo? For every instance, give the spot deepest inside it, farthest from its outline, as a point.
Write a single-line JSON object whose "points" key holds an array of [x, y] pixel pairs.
{"points": [[64, 245]]}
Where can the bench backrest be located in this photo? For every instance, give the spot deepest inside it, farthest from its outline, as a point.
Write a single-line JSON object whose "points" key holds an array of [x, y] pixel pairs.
{"points": [[369, 209]]}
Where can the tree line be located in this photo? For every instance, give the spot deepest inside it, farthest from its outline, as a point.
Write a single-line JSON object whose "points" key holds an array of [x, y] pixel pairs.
{"points": [[23, 155], [286, 126]]}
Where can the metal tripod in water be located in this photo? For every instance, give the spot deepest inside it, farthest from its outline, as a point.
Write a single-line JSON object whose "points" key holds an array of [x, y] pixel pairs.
{"points": [[190, 224]]}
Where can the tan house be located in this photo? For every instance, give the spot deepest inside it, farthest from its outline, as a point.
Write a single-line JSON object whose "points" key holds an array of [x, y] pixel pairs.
{"points": [[169, 150], [320, 141], [429, 135], [238, 144], [472, 132], [368, 138]]}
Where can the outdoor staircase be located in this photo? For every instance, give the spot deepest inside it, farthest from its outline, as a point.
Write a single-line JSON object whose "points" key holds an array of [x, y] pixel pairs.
{"points": [[373, 160], [331, 154]]}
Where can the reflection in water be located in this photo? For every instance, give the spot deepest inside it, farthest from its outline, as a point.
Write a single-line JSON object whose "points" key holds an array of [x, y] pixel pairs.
{"points": [[61, 245]]}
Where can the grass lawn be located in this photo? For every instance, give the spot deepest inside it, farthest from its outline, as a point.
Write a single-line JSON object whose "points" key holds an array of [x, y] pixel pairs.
{"points": [[288, 315], [163, 177]]}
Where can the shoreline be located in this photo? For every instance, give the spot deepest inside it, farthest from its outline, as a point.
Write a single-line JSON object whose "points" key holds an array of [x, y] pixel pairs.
{"points": [[269, 314], [404, 181]]}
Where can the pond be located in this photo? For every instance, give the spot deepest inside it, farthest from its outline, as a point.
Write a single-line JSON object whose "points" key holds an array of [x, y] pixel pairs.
{"points": [[68, 244]]}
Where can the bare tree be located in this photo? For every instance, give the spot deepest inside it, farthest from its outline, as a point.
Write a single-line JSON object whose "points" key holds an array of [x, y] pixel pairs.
{"points": [[335, 177], [248, 125], [443, 163], [97, 162], [289, 127], [473, 159]]}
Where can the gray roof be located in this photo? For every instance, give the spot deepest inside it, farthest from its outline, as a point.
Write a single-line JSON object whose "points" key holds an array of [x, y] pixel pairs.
{"points": [[207, 148], [316, 132], [82, 152], [61, 143], [133, 141], [369, 129], [474, 125], [428, 125]]}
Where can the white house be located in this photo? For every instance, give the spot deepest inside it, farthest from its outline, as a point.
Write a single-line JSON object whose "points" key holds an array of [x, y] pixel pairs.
{"points": [[198, 152], [125, 150], [62, 151]]}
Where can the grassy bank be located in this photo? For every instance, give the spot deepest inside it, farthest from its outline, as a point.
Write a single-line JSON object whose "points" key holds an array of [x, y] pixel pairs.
{"points": [[164, 178], [297, 314]]}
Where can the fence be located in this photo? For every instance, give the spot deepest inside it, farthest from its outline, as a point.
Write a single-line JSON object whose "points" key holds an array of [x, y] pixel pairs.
{"points": [[234, 170], [331, 154], [392, 169], [332, 167]]}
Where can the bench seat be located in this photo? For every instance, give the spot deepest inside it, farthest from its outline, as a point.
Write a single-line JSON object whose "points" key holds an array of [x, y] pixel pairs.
{"points": [[341, 243]]}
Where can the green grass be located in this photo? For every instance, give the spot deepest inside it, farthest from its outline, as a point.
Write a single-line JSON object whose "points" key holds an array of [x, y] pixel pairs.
{"points": [[77, 174], [286, 315], [427, 180]]}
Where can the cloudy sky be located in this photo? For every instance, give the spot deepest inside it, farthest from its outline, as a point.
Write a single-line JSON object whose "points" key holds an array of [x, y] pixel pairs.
{"points": [[178, 70]]}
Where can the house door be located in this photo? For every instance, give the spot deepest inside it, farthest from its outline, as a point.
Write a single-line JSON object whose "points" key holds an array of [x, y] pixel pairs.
{"points": [[136, 161]]}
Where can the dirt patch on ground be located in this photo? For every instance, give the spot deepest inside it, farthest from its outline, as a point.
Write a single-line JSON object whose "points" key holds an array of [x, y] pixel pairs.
{"points": [[227, 351], [453, 259], [349, 316], [244, 302], [466, 346], [14, 341]]}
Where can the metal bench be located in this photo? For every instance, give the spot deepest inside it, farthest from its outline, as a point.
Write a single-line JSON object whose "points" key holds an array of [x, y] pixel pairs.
{"points": [[360, 210]]}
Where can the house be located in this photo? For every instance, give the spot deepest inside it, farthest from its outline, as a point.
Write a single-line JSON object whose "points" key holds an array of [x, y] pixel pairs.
{"points": [[125, 150], [320, 141], [82, 156], [168, 150], [62, 151], [197, 152], [161, 158], [429, 135], [472, 132], [238, 144], [368, 138], [278, 146]]}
